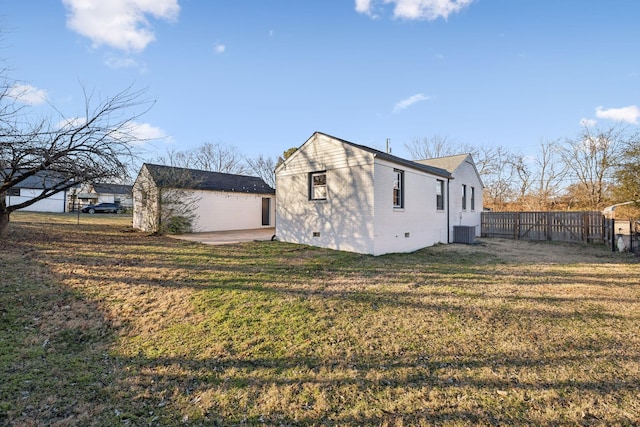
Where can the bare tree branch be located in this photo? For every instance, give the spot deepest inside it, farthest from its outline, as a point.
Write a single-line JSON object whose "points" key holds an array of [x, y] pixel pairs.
{"points": [[100, 146]]}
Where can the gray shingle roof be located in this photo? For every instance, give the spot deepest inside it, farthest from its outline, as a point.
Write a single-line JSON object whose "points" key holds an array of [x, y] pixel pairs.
{"points": [[112, 188], [41, 180], [395, 159], [193, 179], [450, 163]]}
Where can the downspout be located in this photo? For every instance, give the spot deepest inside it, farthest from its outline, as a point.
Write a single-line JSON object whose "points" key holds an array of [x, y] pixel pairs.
{"points": [[448, 213]]}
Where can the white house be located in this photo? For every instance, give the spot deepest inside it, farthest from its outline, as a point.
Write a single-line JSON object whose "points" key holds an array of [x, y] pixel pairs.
{"points": [[213, 201], [93, 193], [465, 192], [106, 193], [336, 194], [32, 187]]}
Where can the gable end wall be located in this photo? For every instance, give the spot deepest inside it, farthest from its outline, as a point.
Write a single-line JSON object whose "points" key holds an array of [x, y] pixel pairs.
{"points": [[344, 221]]}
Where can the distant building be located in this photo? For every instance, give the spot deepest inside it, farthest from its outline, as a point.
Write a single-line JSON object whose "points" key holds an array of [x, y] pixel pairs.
{"points": [[31, 188], [93, 193]]}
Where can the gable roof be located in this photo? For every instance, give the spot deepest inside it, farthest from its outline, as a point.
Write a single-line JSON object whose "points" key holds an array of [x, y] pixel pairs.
{"points": [[193, 179], [451, 163], [41, 180], [432, 169], [112, 188]]}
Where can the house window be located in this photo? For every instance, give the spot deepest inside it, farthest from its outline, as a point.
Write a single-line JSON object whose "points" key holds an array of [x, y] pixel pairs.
{"points": [[15, 192], [318, 185], [398, 188], [464, 197], [473, 198], [440, 195]]}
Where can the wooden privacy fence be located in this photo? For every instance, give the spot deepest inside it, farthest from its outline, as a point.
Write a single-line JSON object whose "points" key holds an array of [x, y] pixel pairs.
{"points": [[557, 226]]}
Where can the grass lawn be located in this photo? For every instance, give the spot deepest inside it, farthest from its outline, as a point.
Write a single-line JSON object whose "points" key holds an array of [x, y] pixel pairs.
{"points": [[101, 325]]}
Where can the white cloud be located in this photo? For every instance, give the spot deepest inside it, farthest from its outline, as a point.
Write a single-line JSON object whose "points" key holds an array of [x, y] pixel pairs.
{"points": [[416, 9], [27, 94], [405, 103], [364, 6], [588, 122], [139, 132], [121, 24], [115, 62], [219, 48], [629, 114], [144, 131]]}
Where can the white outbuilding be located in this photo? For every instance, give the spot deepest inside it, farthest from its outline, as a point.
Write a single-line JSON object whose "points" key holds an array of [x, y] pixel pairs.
{"points": [[209, 201]]}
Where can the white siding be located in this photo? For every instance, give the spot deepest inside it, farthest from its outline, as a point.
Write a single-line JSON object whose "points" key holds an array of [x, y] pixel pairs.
{"points": [[222, 211], [54, 203], [343, 221], [418, 224]]}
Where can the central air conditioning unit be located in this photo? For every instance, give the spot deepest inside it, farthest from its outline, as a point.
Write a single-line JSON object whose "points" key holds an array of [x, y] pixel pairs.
{"points": [[464, 234]]}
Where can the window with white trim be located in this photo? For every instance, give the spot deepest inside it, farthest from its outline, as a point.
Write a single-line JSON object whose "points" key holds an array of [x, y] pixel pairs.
{"points": [[440, 195], [398, 188], [464, 197], [318, 185], [473, 198]]}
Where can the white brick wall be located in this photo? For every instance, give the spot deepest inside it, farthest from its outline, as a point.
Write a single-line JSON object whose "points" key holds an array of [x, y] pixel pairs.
{"points": [[419, 224]]}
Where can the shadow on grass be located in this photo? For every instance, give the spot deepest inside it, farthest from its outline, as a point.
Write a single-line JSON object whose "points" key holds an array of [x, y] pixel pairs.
{"points": [[63, 362]]}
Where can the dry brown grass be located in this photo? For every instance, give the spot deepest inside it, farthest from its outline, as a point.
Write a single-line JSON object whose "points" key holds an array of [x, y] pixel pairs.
{"points": [[106, 326]]}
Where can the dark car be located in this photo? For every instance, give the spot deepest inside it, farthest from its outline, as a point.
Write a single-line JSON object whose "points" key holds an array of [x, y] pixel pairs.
{"points": [[103, 208]]}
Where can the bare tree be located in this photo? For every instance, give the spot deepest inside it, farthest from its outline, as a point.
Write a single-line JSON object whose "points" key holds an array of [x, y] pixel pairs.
{"points": [[210, 156], [65, 152], [550, 174], [497, 167], [592, 159], [524, 175], [263, 167], [627, 186], [436, 146], [218, 157]]}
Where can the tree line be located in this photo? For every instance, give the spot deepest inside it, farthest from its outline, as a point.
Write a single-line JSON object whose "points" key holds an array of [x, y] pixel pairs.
{"points": [[225, 158], [597, 168]]}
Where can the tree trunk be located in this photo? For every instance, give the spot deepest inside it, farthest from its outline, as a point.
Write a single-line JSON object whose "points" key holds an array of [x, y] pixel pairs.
{"points": [[4, 215]]}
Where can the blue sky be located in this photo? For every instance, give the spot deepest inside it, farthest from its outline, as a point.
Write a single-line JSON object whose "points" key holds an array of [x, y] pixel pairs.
{"points": [[263, 75]]}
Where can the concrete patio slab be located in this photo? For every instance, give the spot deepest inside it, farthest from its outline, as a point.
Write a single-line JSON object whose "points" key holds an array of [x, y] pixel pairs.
{"points": [[227, 237]]}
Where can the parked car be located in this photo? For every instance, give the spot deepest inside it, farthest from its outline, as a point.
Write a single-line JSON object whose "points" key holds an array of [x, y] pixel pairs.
{"points": [[103, 208]]}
